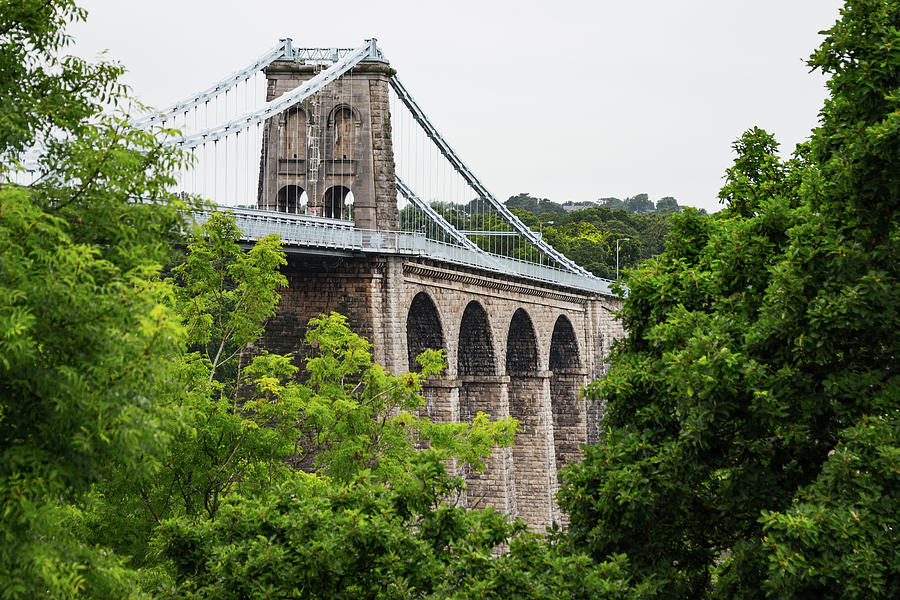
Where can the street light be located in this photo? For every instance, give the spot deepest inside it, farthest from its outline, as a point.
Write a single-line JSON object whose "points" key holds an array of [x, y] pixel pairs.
{"points": [[542, 227], [617, 254], [541, 235]]}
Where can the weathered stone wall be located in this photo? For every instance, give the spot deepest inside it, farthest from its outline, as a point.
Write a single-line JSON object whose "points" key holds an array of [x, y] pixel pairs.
{"points": [[319, 285], [368, 169], [533, 454], [514, 348], [547, 342]]}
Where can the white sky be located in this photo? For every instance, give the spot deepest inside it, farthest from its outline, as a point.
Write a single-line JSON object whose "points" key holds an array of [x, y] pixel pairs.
{"points": [[563, 99]]}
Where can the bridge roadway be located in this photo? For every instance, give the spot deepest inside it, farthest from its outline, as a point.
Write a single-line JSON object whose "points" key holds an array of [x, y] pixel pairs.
{"points": [[520, 339], [306, 233]]}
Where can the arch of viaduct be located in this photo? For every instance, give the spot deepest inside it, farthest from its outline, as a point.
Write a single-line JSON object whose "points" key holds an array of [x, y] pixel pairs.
{"points": [[514, 348]]}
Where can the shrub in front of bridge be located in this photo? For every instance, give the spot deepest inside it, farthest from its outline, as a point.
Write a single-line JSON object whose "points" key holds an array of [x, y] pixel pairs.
{"points": [[752, 413], [363, 538]]}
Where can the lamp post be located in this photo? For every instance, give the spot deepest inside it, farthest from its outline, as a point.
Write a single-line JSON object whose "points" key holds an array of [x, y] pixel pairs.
{"points": [[541, 235], [541, 228], [617, 254]]}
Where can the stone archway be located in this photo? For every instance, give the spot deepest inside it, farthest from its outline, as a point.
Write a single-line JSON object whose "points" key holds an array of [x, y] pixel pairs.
{"points": [[482, 390], [425, 332], [475, 356], [334, 202], [534, 462], [289, 199], [423, 329], [566, 380]]}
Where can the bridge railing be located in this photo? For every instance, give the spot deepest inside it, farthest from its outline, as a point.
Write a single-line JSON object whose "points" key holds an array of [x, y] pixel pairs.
{"points": [[303, 231], [504, 265]]}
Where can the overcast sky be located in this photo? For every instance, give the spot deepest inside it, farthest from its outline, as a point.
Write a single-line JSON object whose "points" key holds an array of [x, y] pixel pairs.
{"points": [[562, 99]]}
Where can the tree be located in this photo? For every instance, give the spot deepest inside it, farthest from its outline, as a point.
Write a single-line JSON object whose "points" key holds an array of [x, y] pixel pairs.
{"points": [[757, 173], [84, 330], [217, 440], [525, 201], [839, 537], [667, 204], [40, 91], [365, 539], [233, 423], [612, 203], [641, 204], [761, 363]]}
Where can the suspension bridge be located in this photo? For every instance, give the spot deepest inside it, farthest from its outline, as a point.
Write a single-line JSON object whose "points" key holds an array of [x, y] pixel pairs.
{"points": [[384, 222]]}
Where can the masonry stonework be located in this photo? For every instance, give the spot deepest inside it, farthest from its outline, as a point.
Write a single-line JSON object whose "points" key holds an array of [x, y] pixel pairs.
{"points": [[514, 348], [336, 142]]}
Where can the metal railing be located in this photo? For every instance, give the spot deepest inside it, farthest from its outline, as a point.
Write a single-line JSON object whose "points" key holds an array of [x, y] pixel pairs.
{"points": [[303, 231]]}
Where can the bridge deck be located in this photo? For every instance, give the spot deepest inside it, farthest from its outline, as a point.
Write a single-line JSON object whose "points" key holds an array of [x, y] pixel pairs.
{"points": [[305, 232]]}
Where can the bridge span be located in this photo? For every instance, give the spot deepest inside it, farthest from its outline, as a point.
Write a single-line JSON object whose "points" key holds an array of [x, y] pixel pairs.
{"points": [[338, 159]]}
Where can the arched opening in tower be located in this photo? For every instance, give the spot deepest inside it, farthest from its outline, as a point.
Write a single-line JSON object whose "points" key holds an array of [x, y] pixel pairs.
{"points": [[289, 199], [336, 202], [569, 414]]}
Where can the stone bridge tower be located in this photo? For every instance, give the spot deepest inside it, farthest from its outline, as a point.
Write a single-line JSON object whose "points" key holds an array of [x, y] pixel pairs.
{"points": [[516, 345], [331, 155]]}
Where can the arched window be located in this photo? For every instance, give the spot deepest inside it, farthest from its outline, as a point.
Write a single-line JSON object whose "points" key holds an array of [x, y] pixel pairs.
{"points": [[293, 135], [343, 133]]}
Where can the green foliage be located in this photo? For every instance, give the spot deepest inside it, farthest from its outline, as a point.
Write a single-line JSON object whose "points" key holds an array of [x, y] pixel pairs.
{"points": [[537, 568], [367, 539], [612, 203], [667, 205], [85, 335], [215, 444], [752, 432], [360, 417], [589, 238], [839, 537], [760, 369], [232, 425], [225, 294], [757, 173], [529, 219], [314, 539], [641, 203], [40, 91], [535, 206]]}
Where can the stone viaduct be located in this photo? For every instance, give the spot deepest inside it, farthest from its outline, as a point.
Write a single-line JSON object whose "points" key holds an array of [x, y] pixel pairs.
{"points": [[515, 346]]}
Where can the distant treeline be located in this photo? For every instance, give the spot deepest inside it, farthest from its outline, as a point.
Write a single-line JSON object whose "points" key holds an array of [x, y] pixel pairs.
{"points": [[638, 204], [586, 232]]}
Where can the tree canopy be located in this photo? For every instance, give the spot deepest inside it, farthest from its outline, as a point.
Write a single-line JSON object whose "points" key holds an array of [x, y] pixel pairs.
{"points": [[760, 371]]}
